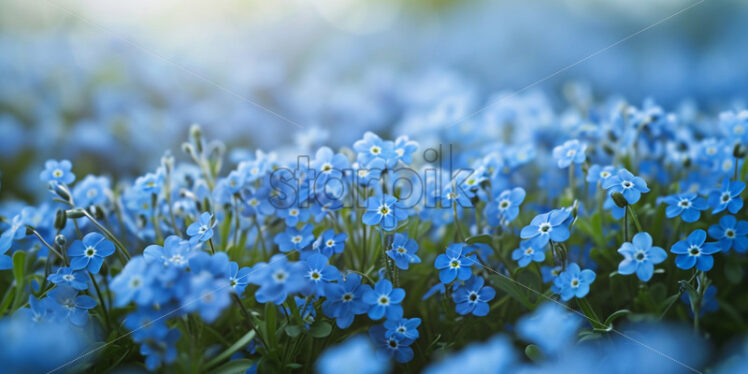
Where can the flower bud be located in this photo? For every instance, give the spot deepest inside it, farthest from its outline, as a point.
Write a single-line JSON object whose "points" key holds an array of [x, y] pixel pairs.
{"points": [[61, 191], [739, 151], [189, 149], [61, 220], [75, 213], [60, 240], [96, 211], [167, 160], [619, 199], [196, 134]]}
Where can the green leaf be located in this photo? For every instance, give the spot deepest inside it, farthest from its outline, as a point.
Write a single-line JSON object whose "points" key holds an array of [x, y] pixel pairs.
{"points": [[19, 267], [665, 305], [239, 344], [7, 299], [293, 330], [270, 325], [320, 329], [485, 239], [533, 353], [512, 289], [614, 316], [234, 367], [294, 365], [586, 308]]}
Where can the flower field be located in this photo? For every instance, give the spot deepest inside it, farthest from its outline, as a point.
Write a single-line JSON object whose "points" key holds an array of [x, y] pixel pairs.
{"points": [[436, 228]]}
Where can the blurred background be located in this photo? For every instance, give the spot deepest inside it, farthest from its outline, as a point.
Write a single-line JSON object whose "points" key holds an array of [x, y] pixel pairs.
{"points": [[111, 84]]}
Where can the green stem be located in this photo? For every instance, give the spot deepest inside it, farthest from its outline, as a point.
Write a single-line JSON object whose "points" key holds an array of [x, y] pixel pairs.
{"points": [[626, 224], [634, 218], [457, 221], [52, 249], [102, 303], [571, 181]]}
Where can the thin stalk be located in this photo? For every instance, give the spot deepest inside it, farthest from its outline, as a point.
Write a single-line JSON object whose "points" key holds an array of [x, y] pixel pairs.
{"points": [[634, 218], [457, 221], [51, 248], [101, 300], [626, 224]]}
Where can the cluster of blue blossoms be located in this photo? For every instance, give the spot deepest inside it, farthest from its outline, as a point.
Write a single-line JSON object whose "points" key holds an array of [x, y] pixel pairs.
{"points": [[259, 267]]}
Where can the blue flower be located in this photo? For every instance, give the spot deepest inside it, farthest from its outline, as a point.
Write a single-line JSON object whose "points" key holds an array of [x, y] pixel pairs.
{"points": [[8, 237], [598, 173], [234, 181], [627, 184], [257, 201], [527, 253], [36, 312], [366, 174], [572, 151], [384, 210], [65, 303], [550, 327], [91, 190], [329, 243], [318, 273], [173, 256], [504, 208], [57, 172], [294, 239], [151, 183], [497, 355], [66, 276], [372, 147], [573, 282], [693, 251], [473, 297], [90, 253], [277, 279], [354, 355], [383, 300], [404, 148], [547, 226], [454, 264], [453, 194], [238, 277], [146, 322], [727, 197], [403, 251], [133, 283], [402, 328], [344, 300], [202, 230], [687, 205], [731, 234], [293, 215], [328, 166], [550, 273], [209, 291], [640, 257], [391, 346]]}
